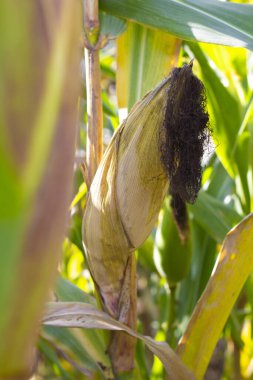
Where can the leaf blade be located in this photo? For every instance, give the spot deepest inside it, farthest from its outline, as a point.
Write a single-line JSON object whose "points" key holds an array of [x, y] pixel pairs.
{"points": [[144, 57], [214, 216], [207, 21], [234, 264], [76, 314]]}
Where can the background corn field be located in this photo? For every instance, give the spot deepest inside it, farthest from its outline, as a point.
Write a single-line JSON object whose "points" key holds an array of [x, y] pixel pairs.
{"points": [[43, 136]]}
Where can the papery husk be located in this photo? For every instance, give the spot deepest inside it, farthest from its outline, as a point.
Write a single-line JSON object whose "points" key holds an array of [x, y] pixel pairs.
{"points": [[126, 195], [159, 145], [124, 201]]}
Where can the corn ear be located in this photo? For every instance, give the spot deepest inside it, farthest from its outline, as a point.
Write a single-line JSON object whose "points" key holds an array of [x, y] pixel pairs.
{"points": [[125, 196], [122, 208], [129, 187]]}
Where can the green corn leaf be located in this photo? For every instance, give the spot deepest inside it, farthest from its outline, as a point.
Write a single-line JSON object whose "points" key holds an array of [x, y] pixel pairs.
{"points": [[66, 291], [172, 254], [220, 183], [207, 20], [72, 344], [224, 109], [111, 26], [214, 216], [52, 359], [243, 155], [203, 256]]}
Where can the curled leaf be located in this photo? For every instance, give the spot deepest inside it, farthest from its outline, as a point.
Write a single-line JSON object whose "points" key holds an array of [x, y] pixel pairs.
{"points": [[77, 314]]}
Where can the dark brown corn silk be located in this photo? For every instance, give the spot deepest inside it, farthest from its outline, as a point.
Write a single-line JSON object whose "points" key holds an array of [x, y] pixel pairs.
{"points": [[185, 133]]}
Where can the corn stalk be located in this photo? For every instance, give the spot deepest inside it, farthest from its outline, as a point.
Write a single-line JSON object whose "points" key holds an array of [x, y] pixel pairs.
{"points": [[94, 147], [122, 346], [39, 89]]}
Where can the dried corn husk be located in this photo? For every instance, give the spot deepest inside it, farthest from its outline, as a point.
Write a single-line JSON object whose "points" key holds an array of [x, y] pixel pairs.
{"points": [[126, 195], [125, 198]]}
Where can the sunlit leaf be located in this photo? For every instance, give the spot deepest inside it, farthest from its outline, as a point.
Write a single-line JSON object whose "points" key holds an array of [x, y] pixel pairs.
{"points": [[233, 266], [207, 20], [144, 57], [224, 109], [231, 66], [79, 195]]}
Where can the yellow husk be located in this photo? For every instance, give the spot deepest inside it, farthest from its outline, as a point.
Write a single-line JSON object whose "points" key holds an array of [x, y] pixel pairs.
{"points": [[126, 195], [123, 205]]}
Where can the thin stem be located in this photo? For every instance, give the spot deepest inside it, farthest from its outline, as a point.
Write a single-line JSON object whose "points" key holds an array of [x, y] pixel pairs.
{"points": [[91, 21], [94, 146], [171, 317]]}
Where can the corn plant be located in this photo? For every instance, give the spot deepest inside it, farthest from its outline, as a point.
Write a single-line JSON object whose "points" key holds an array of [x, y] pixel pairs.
{"points": [[158, 248]]}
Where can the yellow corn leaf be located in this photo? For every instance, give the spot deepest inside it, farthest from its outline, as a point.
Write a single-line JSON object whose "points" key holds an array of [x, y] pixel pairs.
{"points": [[233, 266]]}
